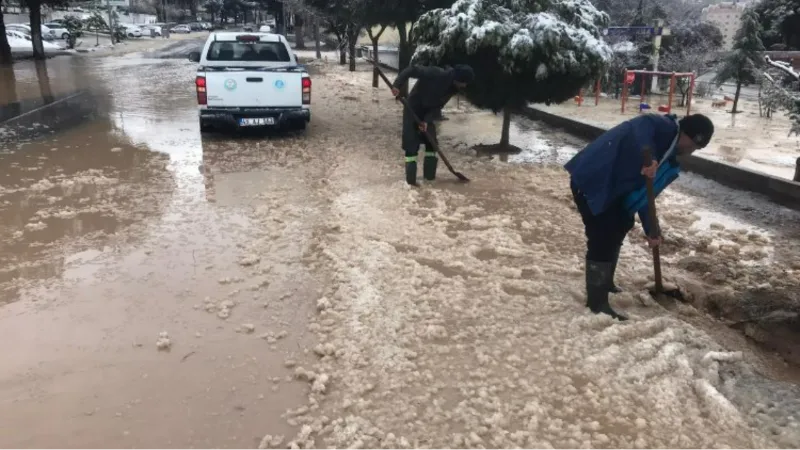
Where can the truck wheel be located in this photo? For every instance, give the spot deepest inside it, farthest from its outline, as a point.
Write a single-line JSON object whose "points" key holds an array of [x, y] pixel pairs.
{"points": [[205, 128], [299, 125]]}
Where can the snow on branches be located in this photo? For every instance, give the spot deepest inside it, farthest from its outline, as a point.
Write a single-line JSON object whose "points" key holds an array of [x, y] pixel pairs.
{"points": [[778, 95], [521, 50], [784, 67]]}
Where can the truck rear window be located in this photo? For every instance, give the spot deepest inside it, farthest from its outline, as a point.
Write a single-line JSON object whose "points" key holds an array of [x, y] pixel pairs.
{"points": [[248, 51]]}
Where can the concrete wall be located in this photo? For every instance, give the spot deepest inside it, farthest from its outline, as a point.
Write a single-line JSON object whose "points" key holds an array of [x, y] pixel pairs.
{"points": [[387, 56], [776, 189], [137, 19], [15, 18]]}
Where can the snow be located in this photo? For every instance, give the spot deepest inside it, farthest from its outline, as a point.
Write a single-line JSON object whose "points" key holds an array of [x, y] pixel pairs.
{"points": [[19, 44], [453, 315], [784, 67], [744, 139], [163, 343], [566, 35]]}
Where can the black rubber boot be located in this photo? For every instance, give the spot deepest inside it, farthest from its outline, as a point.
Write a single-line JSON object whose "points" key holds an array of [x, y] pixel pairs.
{"points": [[429, 168], [598, 275], [613, 288], [411, 173]]}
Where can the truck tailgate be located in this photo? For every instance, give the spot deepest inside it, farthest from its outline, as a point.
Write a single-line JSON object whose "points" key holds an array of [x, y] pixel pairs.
{"points": [[253, 88]]}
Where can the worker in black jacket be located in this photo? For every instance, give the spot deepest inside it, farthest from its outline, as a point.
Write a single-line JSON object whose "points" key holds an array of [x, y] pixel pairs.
{"points": [[434, 88]]}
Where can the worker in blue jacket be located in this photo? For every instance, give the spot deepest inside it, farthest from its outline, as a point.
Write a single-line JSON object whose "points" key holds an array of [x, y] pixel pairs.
{"points": [[609, 188]]}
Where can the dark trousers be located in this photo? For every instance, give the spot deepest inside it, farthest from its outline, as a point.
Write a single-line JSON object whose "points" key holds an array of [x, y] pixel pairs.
{"points": [[413, 137], [606, 231]]}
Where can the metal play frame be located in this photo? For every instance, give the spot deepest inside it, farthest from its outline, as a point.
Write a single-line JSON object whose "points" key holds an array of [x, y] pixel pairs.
{"points": [[672, 83]]}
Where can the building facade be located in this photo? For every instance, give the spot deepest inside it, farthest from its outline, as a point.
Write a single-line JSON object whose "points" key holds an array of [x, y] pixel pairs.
{"points": [[727, 16]]}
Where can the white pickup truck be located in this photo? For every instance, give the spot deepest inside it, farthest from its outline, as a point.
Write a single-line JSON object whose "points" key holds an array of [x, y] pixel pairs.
{"points": [[251, 80]]}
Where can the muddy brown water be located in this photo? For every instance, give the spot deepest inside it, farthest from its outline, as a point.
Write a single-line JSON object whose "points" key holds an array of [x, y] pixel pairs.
{"points": [[80, 318]]}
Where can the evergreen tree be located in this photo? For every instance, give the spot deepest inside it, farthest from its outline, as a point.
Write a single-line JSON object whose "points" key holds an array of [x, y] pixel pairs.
{"points": [[522, 51], [744, 61], [780, 21]]}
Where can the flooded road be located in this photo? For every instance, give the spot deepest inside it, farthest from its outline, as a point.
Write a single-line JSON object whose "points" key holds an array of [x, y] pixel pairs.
{"points": [[109, 239], [163, 289]]}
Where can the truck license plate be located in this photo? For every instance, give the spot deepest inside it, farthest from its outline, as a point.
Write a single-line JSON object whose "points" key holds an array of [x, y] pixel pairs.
{"points": [[254, 122]]}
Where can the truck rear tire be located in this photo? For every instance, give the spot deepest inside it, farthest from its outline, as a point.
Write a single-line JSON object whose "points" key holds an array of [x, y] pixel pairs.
{"points": [[301, 125], [204, 128]]}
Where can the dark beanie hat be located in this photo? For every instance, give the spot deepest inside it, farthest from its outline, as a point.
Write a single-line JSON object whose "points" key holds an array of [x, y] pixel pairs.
{"points": [[463, 73], [698, 127]]}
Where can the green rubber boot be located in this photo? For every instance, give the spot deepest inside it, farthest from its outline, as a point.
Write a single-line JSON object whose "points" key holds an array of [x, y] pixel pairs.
{"points": [[411, 170], [429, 169]]}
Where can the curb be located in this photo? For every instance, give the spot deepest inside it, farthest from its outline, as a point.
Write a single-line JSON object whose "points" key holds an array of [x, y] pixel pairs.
{"points": [[779, 190]]}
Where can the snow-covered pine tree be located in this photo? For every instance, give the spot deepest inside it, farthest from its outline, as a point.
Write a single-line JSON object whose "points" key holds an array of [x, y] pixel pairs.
{"points": [[522, 51], [743, 62]]}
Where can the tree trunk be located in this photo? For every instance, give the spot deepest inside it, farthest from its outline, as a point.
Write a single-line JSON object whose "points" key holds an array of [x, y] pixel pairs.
{"points": [[299, 25], [44, 82], [736, 97], [760, 105], [351, 49], [36, 29], [317, 44], [375, 38], [403, 53], [342, 53], [9, 102], [504, 138], [797, 170], [5, 50]]}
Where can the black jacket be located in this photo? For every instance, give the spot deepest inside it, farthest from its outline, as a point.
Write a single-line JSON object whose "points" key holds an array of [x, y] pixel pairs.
{"points": [[434, 88]]}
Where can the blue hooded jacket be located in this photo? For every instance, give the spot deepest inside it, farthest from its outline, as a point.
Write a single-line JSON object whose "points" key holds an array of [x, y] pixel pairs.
{"points": [[609, 169]]}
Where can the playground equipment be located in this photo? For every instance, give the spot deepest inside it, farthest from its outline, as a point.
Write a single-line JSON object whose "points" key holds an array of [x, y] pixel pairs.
{"points": [[579, 98], [630, 76]]}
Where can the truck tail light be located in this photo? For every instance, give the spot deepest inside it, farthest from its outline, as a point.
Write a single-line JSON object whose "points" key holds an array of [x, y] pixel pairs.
{"points": [[200, 83], [306, 90]]}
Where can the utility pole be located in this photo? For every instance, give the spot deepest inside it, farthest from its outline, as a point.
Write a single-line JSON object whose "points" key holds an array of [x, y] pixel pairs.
{"points": [[660, 30], [110, 21]]}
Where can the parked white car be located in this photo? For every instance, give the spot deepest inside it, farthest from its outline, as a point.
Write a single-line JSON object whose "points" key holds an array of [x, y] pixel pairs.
{"points": [[251, 80], [59, 31], [132, 30], [181, 29], [148, 28], [265, 29], [21, 43], [47, 33]]}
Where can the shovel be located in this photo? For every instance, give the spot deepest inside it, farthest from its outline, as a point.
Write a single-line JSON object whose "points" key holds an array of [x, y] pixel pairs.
{"points": [[433, 143], [659, 294]]}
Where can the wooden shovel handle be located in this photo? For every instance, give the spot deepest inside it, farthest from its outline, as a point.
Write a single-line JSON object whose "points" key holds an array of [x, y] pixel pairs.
{"points": [[647, 156]]}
